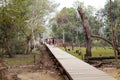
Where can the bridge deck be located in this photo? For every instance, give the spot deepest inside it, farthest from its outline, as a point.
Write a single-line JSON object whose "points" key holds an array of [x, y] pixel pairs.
{"points": [[77, 69]]}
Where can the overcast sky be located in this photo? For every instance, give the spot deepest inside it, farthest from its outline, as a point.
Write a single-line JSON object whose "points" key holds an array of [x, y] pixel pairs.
{"points": [[68, 3]]}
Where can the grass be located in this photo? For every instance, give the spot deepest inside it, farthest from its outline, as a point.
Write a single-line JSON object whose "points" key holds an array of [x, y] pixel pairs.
{"points": [[28, 59], [20, 60], [99, 51], [72, 52], [96, 52]]}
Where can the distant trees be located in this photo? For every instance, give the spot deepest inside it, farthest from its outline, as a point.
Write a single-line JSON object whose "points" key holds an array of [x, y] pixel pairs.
{"points": [[67, 22], [65, 26], [19, 19], [109, 19]]}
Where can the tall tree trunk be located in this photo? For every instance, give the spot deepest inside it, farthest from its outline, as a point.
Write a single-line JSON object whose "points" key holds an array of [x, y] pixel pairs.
{"points": [[7, 47], [87, 31], [9, 50], [88, 48], [28, 44]]}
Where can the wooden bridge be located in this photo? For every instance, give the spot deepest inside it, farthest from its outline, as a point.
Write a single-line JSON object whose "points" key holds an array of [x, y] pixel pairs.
{"points": [[74, 68]]}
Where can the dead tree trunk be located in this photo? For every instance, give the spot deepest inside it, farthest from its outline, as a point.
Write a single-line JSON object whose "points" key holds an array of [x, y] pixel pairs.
{"points": [[87, 31]]}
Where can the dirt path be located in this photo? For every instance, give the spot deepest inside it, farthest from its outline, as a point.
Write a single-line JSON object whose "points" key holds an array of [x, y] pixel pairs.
{"points": [[42, 70], [40, 76], [31, 72], [112, 72]]}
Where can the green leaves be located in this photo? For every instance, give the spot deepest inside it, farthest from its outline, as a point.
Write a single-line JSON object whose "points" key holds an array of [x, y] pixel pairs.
{"points": [[18, 18]]}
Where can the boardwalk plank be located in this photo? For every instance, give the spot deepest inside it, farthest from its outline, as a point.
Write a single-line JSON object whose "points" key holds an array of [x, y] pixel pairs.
{"points": [[76, 68]]}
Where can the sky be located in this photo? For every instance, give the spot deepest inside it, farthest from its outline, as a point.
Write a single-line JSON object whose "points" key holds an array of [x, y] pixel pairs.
{"points": [[68, 3]]}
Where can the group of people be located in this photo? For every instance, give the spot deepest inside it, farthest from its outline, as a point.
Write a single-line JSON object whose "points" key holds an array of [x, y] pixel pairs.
{"points": [[52, 41]]}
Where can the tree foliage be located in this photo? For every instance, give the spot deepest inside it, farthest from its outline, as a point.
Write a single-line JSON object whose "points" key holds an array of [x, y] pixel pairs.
{"points": [[17, 17], [66, 21]]}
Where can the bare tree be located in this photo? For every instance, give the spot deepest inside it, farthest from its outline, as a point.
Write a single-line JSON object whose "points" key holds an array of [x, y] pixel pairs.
{"points": [[87, 31]]}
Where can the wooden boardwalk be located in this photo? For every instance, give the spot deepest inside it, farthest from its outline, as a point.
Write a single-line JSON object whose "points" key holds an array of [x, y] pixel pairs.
{"points": [[77, 69]]}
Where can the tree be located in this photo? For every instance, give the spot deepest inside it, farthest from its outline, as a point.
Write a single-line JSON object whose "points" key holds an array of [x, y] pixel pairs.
{"points": [[11, 23], [17, 16], [87, 31], [111, 15], [65, 24], [113, 29]]}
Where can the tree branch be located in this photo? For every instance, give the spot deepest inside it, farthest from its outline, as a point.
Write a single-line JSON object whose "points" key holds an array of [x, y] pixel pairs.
{"points": [[97, 36]]}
